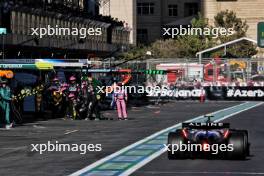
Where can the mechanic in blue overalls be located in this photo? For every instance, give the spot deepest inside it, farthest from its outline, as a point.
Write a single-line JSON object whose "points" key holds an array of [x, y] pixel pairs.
{"points": [[5, 99]]}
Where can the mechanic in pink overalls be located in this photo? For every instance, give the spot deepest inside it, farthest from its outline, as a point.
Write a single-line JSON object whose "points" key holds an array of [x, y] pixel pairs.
{"points": [[120, 99]]}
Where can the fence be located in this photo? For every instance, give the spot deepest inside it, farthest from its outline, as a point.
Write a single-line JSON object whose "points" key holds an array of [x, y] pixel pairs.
{"points": [[187, 70]]}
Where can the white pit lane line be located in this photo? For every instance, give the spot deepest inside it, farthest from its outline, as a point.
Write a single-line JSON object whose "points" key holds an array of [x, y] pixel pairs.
{"points": [[161, 151], [69, 132]]}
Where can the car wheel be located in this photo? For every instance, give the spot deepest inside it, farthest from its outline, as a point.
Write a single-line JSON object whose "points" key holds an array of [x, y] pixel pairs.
{"points": [[238, 140], [247, 144], [176, 138]]}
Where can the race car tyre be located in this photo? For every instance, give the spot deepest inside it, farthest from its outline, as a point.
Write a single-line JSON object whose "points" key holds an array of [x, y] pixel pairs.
{"points": [[176, 138], [247, 144], [238, 140]]}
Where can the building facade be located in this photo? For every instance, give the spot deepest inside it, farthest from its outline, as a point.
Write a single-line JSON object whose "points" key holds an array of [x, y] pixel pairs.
{"points": [[146, 17], [122, 10], [19, 17], [249, 10], [153, 15]]}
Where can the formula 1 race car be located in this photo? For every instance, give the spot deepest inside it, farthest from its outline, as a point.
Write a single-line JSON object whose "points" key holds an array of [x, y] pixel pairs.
{"points": [[208, 140]]}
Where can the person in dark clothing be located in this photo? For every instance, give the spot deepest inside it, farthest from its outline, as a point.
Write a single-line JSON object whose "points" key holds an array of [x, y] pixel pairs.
{"points": [[94, 101]]}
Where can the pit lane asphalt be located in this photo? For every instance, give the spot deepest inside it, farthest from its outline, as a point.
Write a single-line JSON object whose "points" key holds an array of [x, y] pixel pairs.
{"points": [[252, 120], [15, 145]]}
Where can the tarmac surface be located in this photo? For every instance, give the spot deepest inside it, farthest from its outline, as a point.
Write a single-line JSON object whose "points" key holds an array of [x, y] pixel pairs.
{"points": [[251, 120], [16, 157]]}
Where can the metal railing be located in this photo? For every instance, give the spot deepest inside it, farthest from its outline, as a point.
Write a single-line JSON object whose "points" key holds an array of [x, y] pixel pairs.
{"points": [[220, 70]]}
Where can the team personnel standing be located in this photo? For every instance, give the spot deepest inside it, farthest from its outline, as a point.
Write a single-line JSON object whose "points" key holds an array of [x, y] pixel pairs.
{"points": [[5, 98], [73, 97], [94, 100], [56, 97], [84, 97], [121, 99], [74, 87]]}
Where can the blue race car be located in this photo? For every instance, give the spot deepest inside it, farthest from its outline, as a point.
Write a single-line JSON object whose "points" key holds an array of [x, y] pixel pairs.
{"points": [[206, 140]]}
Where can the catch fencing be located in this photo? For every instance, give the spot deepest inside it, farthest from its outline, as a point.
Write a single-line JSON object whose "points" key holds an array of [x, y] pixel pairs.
{"points": [[211, 71]]}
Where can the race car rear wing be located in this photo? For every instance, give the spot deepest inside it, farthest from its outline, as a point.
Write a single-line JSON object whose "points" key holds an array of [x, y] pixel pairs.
{"points": [[209, 125]]}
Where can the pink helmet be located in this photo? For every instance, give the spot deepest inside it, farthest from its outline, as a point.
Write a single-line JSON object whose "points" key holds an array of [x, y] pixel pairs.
{"points": [[71, 95], [72, 78], [55, 79], [64, 85]]}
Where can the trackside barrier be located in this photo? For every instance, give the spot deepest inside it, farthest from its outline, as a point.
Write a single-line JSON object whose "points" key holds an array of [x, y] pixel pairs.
{"points": [[211, 93]]}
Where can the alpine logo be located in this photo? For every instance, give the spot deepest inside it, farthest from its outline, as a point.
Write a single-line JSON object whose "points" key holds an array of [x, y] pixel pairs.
{"points": [[206, 124]]}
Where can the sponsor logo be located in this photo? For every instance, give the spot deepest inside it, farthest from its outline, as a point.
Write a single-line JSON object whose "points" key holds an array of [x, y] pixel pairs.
{"points": [[206, 124], [245, 93]]}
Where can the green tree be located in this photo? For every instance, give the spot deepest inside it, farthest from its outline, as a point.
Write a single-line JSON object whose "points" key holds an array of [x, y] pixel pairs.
{"points": [[183, 46], [136, 52], [228, 19], [189, 45], [165, 49]]}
